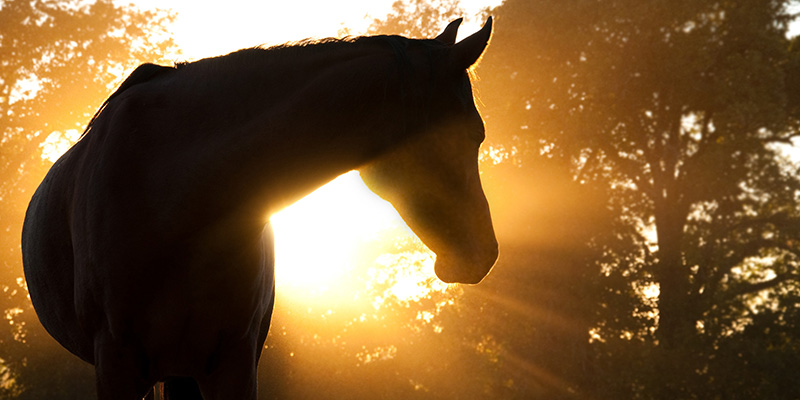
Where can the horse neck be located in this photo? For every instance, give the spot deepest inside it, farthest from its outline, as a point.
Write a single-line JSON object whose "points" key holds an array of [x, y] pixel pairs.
{"points": [[313, 120]]}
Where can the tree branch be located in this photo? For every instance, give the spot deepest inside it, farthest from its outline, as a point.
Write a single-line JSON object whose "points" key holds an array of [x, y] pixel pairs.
{"points": [[749, 249], [757, 287], [629, 168]]}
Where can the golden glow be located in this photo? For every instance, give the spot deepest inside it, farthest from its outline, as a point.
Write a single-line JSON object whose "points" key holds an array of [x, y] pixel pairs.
{"points": [[409, 275], [57, 143], [316, 239], [323, 247], [244, 23]]}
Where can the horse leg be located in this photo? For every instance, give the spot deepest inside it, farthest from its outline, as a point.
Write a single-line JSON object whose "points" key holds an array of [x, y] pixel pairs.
{"points": [[181, 389], [229, 386], [233, 378], [156, 392], [119, 371]]}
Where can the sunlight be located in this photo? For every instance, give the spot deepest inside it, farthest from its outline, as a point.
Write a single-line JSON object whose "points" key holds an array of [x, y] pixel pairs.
{"points": [[248, 24], [58, 143], [342, 249], [317, 238], [409, 275]]}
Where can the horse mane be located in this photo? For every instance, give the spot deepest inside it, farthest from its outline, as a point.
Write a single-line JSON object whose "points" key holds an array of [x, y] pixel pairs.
{"points": [[288, 52], [398, 43], [295, 51]]}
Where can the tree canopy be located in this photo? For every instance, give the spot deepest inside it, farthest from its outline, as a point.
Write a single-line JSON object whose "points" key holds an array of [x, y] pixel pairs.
{"points": [[677, 112]]}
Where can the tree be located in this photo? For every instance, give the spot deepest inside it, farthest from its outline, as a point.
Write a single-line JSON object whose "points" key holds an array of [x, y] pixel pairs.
{"points": [[675, 109], [59, 62], [417, 18]]}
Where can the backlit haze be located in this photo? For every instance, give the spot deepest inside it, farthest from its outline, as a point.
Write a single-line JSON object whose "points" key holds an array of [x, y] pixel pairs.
{"points": [[641, 164]]}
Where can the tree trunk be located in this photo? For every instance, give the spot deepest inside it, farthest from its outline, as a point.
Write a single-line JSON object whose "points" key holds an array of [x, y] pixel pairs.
{"points": [[676, 325]]}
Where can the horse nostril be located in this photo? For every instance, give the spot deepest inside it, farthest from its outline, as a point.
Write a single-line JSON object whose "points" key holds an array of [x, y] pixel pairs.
{"points": [[444, 272], [474, 280], [462, 271]]}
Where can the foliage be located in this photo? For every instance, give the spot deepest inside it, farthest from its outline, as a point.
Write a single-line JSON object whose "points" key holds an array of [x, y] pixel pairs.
{"points": [[59, 62], [417, 18], [674, 109]]}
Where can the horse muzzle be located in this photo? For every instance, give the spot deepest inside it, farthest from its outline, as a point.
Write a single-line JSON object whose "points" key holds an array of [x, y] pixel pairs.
{"points": [[471, 270]]}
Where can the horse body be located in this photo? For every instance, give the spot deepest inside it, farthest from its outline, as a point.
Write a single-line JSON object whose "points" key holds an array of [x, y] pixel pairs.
{"points": [[145, 246]]}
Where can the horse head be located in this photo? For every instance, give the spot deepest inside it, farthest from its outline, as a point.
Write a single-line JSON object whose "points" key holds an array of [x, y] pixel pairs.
{"points": [[432, 179]]}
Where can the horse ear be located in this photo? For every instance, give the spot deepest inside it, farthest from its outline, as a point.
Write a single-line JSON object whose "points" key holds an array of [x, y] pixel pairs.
{"points": [[448, 37], [466, 52]]}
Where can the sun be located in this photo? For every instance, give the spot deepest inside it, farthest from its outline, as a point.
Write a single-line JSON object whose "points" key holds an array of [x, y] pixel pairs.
{"points": [[318, 239], [343, 246]]}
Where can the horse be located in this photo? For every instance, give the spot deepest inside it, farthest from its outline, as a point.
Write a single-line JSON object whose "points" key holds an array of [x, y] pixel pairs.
{"points": [[147, 249]]}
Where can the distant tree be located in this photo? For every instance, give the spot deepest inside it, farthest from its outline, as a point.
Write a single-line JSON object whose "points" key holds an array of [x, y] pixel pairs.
{"points": [[58, 62], [417, 18], [678, 111]]}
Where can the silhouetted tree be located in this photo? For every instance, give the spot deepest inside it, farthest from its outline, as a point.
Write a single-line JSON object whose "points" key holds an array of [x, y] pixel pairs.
{"points": [[676, 110], [59, 62]]}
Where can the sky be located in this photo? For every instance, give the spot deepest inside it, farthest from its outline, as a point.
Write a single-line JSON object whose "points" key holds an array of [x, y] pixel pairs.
{"points": [[204, 29]]}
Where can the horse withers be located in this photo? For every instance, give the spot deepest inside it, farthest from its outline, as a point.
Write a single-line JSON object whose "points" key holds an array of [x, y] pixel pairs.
{"points": [[145, 246]]}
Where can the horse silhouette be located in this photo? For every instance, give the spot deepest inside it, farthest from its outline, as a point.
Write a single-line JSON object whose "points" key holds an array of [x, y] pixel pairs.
{"points": [[146, 247]]}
